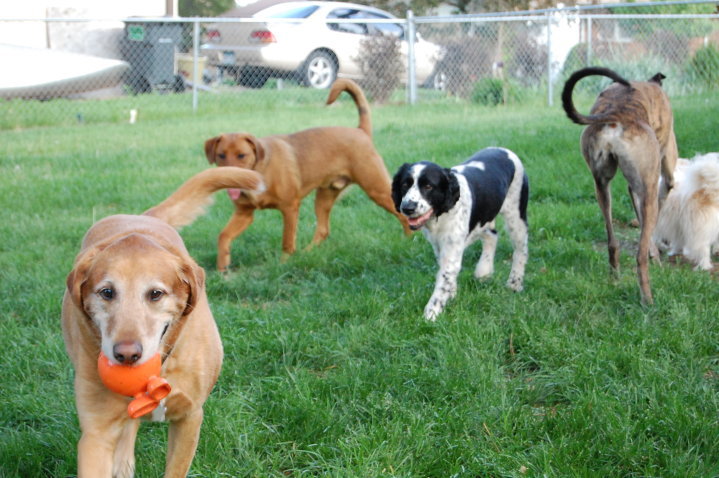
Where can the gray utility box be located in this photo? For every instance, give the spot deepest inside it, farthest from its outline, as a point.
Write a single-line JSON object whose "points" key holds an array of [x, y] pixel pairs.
{"points": [[149, 48]]}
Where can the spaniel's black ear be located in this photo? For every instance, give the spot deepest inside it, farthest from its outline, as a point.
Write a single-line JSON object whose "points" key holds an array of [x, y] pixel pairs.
{"points": [[452, 196], [397, 192]]}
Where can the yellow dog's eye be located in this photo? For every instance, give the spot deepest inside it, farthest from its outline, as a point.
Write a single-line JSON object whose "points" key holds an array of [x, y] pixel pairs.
{"points": [[106, 293], [221, 155], [155, 295]]}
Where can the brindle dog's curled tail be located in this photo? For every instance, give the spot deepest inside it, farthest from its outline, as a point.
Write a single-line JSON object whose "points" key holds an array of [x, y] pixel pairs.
{"points": [[343, 84], [567, 103]]}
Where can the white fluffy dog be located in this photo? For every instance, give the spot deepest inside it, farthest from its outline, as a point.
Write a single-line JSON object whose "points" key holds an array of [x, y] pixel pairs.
{"points": [[689, 219]]}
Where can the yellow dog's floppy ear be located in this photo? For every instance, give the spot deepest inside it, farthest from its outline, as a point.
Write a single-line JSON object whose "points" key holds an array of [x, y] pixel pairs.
{"points": [[211, 149], [194, 277], [78, 276]]}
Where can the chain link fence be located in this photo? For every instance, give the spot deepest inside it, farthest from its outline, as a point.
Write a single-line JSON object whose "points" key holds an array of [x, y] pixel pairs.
{"points": [[501, 58], [487, 59]]}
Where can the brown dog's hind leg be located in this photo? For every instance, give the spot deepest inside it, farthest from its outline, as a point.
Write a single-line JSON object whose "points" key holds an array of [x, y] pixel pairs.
{"points": [[385, 201], [381, 194], [239, 221]]}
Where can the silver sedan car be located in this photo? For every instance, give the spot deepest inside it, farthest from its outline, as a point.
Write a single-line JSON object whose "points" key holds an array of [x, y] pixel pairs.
{"points": [[315, 49]]}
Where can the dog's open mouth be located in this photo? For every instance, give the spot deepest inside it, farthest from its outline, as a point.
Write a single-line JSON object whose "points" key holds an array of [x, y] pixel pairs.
{"points": [[419, 221], [234, 194]]}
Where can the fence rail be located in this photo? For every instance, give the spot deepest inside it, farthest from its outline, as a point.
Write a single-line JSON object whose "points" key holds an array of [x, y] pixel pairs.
{"points": [[487, 58]]}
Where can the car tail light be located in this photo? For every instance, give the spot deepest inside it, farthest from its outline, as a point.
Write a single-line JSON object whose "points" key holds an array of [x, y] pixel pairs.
{"points": [[263, 36], [214, 36]]}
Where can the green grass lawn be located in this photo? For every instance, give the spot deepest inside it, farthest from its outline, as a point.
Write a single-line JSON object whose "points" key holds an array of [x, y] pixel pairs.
{"points": [[330, 369]]}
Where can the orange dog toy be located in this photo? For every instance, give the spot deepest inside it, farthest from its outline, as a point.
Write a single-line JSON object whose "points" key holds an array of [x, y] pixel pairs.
{"points": [[143, 382]]}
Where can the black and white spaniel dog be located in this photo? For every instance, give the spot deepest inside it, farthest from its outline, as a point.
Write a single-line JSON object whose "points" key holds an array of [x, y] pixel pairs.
{"points": [[455, 207]]}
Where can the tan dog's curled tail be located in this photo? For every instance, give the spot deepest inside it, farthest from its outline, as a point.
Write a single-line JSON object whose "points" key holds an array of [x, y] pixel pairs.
{"points": [[568, 105], [343, 84], [190, 200]]}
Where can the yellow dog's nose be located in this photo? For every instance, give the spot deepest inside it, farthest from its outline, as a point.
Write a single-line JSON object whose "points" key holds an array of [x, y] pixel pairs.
{"points": [[127, 352]]}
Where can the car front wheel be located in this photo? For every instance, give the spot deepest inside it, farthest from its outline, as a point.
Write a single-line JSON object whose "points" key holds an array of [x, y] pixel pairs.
{"points": [[439, 81], [320, 70]]}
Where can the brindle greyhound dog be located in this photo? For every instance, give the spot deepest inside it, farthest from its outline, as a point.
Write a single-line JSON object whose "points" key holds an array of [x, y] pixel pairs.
{"points": [[630, 127]]}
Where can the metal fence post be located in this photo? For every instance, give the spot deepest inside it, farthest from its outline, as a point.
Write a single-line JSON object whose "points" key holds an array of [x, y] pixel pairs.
{"points": [[589, 40], [411, 76], [550, 91], [195, 62]]}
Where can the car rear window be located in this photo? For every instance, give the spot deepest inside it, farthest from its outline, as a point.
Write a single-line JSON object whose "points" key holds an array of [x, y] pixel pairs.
{"points": [[363, 28], [298, 12]]}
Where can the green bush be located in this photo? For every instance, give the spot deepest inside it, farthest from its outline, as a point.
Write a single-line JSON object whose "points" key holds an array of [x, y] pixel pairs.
{"points": [[488, 92], [704, 66], [495, 91], [380, 60]]}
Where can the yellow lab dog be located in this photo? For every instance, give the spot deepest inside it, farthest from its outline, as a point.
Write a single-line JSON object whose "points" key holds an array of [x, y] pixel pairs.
{"points": [[135, 292]]}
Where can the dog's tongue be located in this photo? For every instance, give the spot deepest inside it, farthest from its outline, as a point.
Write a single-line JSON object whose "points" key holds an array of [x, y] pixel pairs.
{"points": [[234, 193], [417, 222]]}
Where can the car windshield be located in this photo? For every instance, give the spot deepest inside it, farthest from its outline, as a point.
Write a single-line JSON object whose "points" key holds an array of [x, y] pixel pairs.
{"points": [[297, 12]]}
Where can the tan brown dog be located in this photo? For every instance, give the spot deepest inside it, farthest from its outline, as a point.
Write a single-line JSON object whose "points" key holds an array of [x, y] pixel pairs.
{"points": [[630, 127], [326, 159], [134, 292]]}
